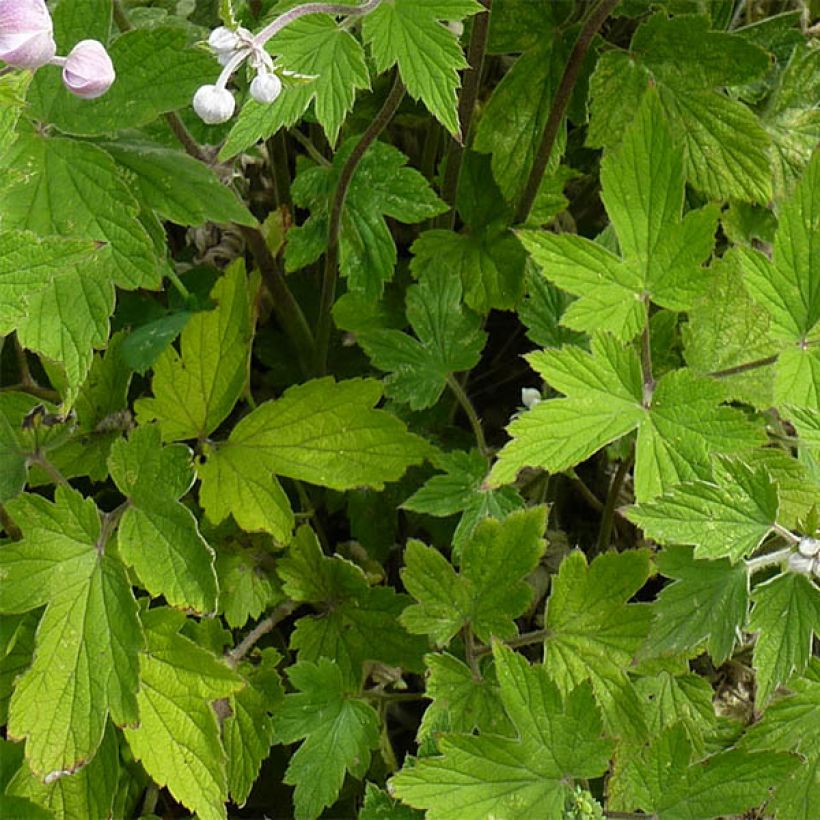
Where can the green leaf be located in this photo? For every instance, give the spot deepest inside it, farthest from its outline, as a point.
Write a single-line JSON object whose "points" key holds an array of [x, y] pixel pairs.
{"points": [[408, 33], [178, 187], [17, 633], [724, 146], [448, 341], [593, 634], [513, 121], [786, 615], [379, 805], [381, 186], [85, 662], [488, 593], [460, 703], [248, 731], [339, 733], [317, 47], [195, 390], [682, 425], [13, 87], [156, 72], [72, 189], [662, 251], [728, 517], [807, 423], [490, 263], [355, 622], [246, 588], [722, 593], [460, 489], [86, 793], [327, 433], [178, 682], [480, 776]]}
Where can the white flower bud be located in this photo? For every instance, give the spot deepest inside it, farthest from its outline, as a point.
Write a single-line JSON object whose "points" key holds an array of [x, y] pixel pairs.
{"points": [[223, 39], [808, 546], [26, 33], [214, 104], [530, 397], [801, 564], [88, 71], [265, 88]]}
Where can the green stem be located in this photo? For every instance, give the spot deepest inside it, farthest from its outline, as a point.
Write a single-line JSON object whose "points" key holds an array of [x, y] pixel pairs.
{"points": [[469, 410], [471, 652], [608, 517], [178, 284], [743, 368], [120, 17], [593, 23], [646, 359], [307, 143], [525, 639], [260, 630], [331, 271], [466, 108], [278, 153], [785, 534], [57, 478]]}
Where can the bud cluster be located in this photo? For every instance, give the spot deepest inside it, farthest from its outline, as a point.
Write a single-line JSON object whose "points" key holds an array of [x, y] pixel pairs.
{"points": [[27, 41], [806, 560]]}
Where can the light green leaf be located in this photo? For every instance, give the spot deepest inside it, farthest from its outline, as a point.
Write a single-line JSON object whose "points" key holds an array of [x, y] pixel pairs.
{"points": [[722, 593], [807, 422], [246, 587], [327, 433], [355, 622], [72, 189], [593, 634], [724, 146], [17, 633], [448, 341], [178, 187], [13, 87], [379, 805], [86, 793], [513, 120], [728, 517], [460, 489], [408, 33], [236, 482], [490, 264], [195, 391], [381, 186], [339, 733], [486, 776], [85, 662], [799, 796], [317, 47], [488, 593], [156, 72], [786, 615], [178, 682]]}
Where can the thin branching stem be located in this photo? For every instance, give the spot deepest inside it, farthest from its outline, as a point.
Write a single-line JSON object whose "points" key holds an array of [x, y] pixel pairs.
{"points": [[770, 559], [593, 23], [608, 517], [469, 410], [240, 651], [525, 639], [331, 270]]}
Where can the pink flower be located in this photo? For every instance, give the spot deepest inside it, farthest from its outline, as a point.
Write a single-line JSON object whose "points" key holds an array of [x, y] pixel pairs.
{"points": [[88, 71], [26, 33]]}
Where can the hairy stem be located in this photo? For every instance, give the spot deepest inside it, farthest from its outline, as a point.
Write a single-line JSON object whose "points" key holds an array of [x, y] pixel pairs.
{"points": [[525, 639], [331, 271], [469, 410], [770, 559], [284, 20], [608, 517], [278, 155], [55, 476], [785, 534], [466, 108], [593, 23], [260, 630], [471, 652]]}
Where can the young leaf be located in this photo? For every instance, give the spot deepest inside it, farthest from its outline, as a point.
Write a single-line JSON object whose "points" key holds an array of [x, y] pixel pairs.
{"points": [[604, 400], [449, 341], [722, 593], [408, 33], [488, 593], [317, 47], [381, 186], [379, 805], [246, 588], [788, 287], [327, 433], [725, 147], [727, 517], [460, 489], [178, 682], [662, 251], [85, 662], [339, 733], [479, 776], [593, 634], [195, 391], [356, 622], [786, 615]]}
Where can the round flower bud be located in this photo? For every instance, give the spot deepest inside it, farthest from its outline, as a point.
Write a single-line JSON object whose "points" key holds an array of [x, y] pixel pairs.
{"points": [[214, 104], [265, 88], [808, 546], [801, 564], [88, 71], [530, 397], [26, 33], [223, 39]]}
